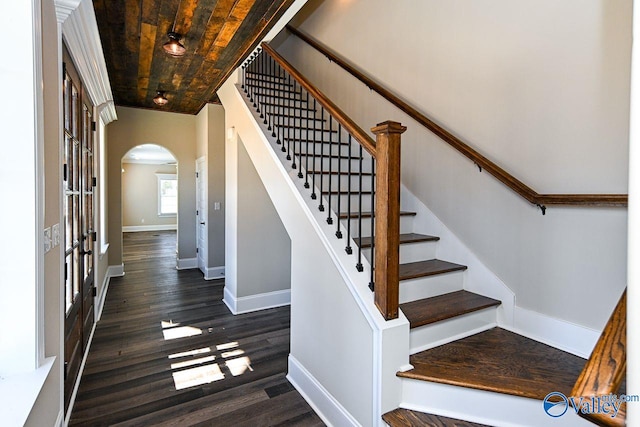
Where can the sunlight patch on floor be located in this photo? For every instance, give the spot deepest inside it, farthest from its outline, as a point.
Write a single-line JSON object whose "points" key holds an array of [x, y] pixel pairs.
{"points": [[197, 376], [181, 332], [190, 353], [192, 362], [239, 366]]}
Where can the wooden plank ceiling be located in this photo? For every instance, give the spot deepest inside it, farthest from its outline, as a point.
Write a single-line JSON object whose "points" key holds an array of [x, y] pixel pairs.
{"points": [[218, 35]]}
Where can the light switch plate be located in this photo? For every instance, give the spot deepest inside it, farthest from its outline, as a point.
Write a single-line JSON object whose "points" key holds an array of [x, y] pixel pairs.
{"points": [[216, 206], [47, 239], [55, 231]]}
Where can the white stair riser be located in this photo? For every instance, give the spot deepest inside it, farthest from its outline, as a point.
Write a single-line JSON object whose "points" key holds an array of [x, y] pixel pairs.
{"points": [[431, 286], [413, 252], [483, 407], [446, 331]]}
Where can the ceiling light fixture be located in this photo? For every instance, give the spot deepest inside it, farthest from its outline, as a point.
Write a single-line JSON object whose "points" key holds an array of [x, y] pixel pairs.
{"points": [[173, 47], [160, 98]]}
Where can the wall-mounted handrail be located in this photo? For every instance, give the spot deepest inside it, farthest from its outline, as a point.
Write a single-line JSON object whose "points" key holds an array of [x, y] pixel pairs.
{"points": [[606, 368], [541, 200], [350, 126]]}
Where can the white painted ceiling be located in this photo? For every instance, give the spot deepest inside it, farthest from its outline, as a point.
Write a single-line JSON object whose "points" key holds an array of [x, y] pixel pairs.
{"points": [[149, 154]]}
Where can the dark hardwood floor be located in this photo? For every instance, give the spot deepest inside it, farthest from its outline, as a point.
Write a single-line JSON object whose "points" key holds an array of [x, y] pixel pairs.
{"points": [[167, 352]]}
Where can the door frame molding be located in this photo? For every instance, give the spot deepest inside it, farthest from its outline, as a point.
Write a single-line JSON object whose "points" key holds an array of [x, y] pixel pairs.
{"points": [[201, 181]]}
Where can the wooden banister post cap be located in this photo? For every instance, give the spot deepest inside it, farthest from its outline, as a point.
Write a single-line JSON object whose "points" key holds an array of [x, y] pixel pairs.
{"points": [[388, 127]]}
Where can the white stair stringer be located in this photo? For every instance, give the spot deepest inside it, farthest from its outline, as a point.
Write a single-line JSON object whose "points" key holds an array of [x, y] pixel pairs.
{"points": [[479, 406], [326, 288]]}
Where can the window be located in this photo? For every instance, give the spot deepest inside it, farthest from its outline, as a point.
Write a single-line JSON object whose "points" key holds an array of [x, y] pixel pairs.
{"points": [[167, 194]]}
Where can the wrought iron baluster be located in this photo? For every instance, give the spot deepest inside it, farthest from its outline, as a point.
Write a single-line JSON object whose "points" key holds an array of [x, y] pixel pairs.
{"points": [[289, 103], [299, 126], [280, 118], [315, 170], [373, 227], [307, 153], [359, 266], [321, 207], [270, 110], [338, 232], [330, 188], [348, 248]]}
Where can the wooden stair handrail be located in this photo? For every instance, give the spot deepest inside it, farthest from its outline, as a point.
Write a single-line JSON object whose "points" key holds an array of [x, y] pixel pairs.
{"points": [[481, 161], [349, 125], [606, 368]]}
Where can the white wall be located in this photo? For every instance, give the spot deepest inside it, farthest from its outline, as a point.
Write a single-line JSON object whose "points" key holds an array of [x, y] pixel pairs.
{"points": [[140, 194], [264, 247], [210, 143], [541, 88], [176, 133]]}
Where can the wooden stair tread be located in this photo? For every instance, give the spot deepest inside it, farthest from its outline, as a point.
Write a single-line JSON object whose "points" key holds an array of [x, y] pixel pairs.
{"points": [[430, 267], [406, 418], [499, 361], [405, 238], [430, 310], [354, 215]]}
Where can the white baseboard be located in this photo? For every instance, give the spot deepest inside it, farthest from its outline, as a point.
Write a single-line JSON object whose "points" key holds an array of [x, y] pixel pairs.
{"points": [[557, 333], [112, 271], [77, 384], [211, 273], [115, 270], [186, 263], [256, 302], [322, 402], [135, 228]]}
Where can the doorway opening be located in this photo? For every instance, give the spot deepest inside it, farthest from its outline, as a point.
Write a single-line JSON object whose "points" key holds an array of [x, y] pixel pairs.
{"points": [[150, 196]]}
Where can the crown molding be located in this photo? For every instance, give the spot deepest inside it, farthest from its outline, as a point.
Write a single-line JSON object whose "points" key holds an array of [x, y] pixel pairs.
{"points": [[64, 9], [80, 33]]}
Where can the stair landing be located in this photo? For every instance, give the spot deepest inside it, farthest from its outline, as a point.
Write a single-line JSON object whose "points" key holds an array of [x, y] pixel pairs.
{"points": [[406, 418], [499, 361]]}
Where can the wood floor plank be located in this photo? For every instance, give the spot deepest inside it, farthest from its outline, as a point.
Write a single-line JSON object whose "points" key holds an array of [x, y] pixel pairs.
{"points": [[131, 377]]}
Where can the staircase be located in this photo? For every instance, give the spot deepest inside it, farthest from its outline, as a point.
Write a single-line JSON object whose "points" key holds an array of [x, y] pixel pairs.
{"points": [[457, 351]]}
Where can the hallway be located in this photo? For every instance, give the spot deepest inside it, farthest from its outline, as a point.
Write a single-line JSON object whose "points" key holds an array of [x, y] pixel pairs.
{"points": [[168, 352]]}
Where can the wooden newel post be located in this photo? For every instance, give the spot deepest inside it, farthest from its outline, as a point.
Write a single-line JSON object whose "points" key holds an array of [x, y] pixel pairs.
{"points": [[387, 238]]}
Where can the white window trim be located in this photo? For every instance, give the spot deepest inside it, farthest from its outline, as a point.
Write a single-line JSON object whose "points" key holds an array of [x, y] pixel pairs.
{"points": [[102, 193], [165, 176]]}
